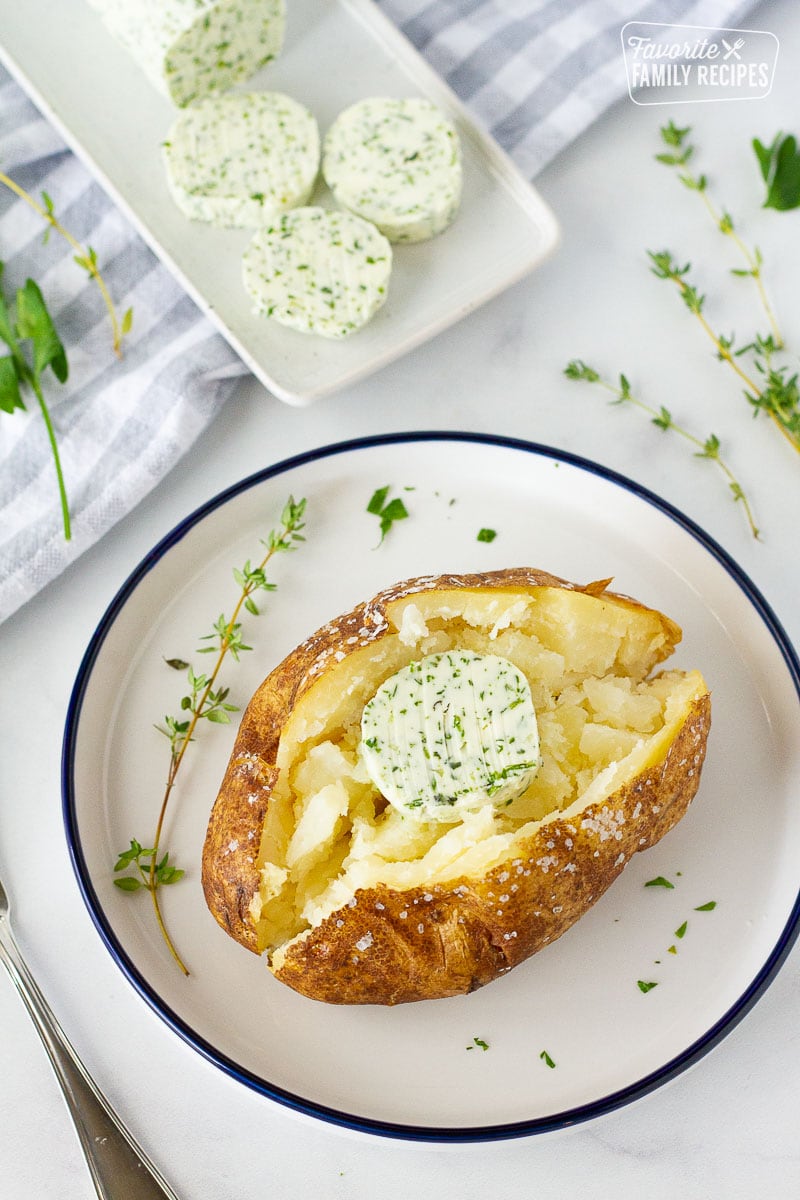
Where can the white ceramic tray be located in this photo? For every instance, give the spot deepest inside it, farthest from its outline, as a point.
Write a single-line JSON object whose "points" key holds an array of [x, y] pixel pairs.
{"points": [[409, 1071], [336, 51]]}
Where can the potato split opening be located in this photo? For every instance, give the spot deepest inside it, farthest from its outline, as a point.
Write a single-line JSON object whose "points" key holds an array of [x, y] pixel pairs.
{"points": [[602, 720]]}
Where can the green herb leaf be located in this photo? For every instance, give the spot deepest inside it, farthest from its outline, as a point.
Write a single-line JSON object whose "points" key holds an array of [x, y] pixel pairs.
{"points": [[218, 716], [712, 904], [681, 930], [487, 535], [7, 330], [177, 664], [128, 883], [710, 448], [578, 369], [378, 498], [480, 1043], [675, 160], [388, 513], [672, 135], [659, 881], [645, 985], [10, 396], [395, 510], [545, 1057], [664, 419], [780, 169], [35, 322]]}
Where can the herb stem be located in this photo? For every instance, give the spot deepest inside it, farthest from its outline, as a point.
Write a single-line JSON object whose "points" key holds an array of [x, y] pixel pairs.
{"points": [[677, 154], [86, 258], [752, 259], [62, 491], [722, 350]]}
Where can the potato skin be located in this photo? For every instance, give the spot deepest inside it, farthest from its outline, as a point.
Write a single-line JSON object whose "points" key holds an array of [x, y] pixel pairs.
{"points": [[454, 937], [422, 944]]}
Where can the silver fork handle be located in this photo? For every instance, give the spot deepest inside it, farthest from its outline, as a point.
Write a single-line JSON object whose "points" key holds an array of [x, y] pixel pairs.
{"points": [[119, 1168]]}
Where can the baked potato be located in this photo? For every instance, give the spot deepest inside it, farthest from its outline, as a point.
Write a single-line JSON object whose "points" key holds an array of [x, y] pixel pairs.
{"points": [[358, 896]]}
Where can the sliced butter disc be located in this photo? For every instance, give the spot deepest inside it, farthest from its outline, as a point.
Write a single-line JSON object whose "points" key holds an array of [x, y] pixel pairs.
{"points": [[450, 733], [318, 271], [238, 160], [396, 163]]}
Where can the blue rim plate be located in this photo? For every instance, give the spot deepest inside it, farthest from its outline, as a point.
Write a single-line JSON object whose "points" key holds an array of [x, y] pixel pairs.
{"points": [[406, 1072]]}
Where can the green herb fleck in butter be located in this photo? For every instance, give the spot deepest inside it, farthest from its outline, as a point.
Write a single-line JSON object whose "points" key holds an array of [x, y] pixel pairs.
{"points": [[448, 734]]}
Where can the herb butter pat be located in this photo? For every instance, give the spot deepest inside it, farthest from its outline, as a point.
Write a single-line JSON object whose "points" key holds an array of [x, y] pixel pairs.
{"points": [[240, 159], [318, 271], [188, 48], [396, 163], [448, 734]]}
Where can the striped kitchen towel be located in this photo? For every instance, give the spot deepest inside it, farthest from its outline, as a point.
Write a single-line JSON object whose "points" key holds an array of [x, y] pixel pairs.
{"points": [[120, 424], [536, 73]]}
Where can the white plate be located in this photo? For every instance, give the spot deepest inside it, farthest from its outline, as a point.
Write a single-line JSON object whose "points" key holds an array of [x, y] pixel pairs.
{"points": [[407, 1071], [336, 52]]}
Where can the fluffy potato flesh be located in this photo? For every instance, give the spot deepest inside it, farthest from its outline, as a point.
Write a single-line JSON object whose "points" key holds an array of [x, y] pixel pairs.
{"points": [[340, 879]]}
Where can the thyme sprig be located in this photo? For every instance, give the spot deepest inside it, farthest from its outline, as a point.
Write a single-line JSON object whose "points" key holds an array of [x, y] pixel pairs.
{"points": [[206, 700], [142, 859], [707, 448], [777, 393], [677, 154], [84, 256]]}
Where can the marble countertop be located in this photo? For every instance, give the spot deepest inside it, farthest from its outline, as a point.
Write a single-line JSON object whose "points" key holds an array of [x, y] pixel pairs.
{"points": [[726, 1128]]}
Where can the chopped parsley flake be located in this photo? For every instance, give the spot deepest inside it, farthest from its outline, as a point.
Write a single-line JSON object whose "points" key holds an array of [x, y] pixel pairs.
{"points": [[546, 1059], [487, 535], [480, 1043], [387, 512], [712, 904], [659, 881], [645, 985]]}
